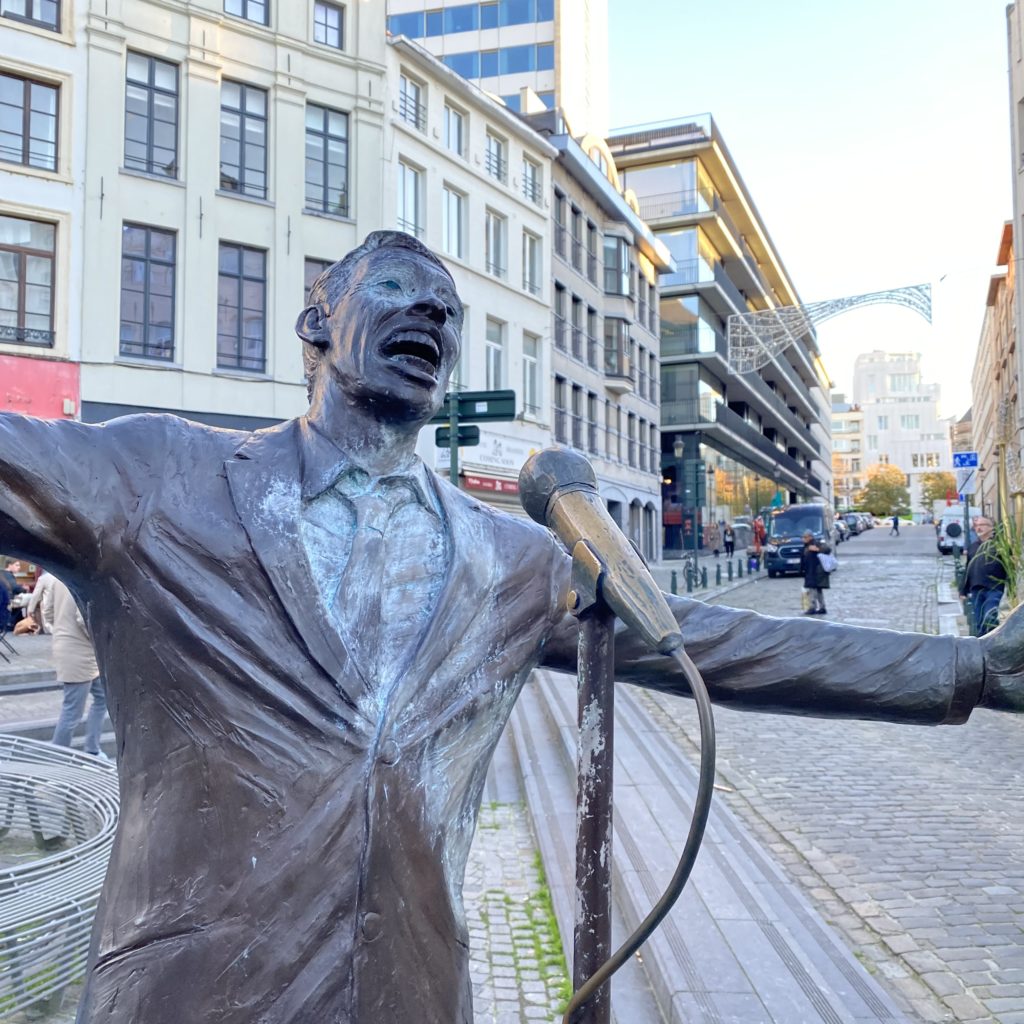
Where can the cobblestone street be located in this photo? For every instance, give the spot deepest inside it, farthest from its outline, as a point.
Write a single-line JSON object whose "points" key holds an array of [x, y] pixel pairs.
{"points": [[909, 839]]}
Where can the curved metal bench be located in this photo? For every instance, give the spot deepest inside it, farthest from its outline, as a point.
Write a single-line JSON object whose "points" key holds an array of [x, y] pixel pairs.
{"points": [[58, 812]]}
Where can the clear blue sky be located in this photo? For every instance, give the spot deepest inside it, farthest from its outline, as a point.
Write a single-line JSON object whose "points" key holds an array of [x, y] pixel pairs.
{"points": [[873, 137]]}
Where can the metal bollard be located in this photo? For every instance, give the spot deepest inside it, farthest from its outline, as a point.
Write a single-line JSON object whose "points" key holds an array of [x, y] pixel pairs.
{"points": [[704, 577], [730, 571], [739, 568], [689, 582], [675, 582], [718, 575]]}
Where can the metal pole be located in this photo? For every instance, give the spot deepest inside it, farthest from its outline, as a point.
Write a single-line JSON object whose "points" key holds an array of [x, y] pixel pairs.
{"points": [[453, 427], [592, 938]]}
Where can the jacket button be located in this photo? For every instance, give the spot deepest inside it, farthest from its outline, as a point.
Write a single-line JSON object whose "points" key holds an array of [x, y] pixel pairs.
{"points": [[372, 926], [390, 752]]}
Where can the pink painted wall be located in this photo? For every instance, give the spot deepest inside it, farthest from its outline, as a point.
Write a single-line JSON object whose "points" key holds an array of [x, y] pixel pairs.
{"points": [[38, 386]]}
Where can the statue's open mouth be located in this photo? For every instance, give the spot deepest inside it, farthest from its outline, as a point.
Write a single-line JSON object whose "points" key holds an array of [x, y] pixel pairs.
{"points": [[415, 349]]}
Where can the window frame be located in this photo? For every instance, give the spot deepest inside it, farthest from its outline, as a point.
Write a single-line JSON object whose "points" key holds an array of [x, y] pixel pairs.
{"points": [[27, 81], [149, 261], [20, 331], [244, 16], [452, 196], [494, 355], [241, 277], [307, 282], [495, 157], [325, 137], [412, 105], [533, 184], [496, 244], [324, 5], [151, 89], [417, 225], [451, 112], [531, 375], [27, 19], [533, 262], [243, 187]]}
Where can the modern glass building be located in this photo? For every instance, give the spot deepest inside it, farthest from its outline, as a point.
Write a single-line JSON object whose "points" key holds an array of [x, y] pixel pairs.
{"points": [[557, 48], [730, 443]]}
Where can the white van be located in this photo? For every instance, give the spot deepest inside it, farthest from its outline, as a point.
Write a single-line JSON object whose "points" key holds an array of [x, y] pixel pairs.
{"points": [[951, 529]]}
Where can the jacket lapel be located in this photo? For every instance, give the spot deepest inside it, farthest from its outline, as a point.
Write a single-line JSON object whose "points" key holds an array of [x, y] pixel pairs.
{"points": [[264, 477]]}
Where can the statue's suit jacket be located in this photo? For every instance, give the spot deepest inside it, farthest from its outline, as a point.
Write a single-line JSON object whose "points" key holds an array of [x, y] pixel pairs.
{"points": [[292, 844]]}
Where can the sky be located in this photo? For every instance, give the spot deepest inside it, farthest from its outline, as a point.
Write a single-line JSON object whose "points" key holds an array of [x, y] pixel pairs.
{"points": [[873, 137]]}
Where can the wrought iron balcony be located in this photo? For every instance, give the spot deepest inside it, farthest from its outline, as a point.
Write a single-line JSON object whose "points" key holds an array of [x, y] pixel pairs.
{"points": [[412, 111]]}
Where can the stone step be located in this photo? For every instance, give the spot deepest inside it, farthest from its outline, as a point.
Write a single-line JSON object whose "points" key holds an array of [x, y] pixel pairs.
{"points": [[742, 944]]}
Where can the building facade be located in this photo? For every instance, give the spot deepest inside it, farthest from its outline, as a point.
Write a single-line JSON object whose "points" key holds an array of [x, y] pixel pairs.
{"points": [[848, 468], [1015, 52], [471, 180], [902, 423], [729, 442], [994, 380], [557, 48]]}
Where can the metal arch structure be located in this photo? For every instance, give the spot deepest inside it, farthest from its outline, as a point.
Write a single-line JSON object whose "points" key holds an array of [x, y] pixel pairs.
{"points": [[757, 338]]}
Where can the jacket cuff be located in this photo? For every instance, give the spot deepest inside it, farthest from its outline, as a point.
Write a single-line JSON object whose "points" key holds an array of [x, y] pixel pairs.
{"points": [[968, 680]]}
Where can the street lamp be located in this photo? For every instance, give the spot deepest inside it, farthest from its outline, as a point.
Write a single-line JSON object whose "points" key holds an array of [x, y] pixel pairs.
{"points": [[677, 450], [757, 503]]}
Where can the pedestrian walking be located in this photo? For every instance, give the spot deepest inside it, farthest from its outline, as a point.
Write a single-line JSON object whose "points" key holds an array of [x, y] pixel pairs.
{"points": [[815, 574], [78, 674], [729, 540], [40, 605], [985, 578], [895, 528]]}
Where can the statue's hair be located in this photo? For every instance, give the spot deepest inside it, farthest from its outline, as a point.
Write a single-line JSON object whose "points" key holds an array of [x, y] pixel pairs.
{"points": [[330, 287]]}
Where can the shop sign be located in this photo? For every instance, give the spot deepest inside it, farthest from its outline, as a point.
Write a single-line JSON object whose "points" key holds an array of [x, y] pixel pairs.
{"points": [[490, 483]]}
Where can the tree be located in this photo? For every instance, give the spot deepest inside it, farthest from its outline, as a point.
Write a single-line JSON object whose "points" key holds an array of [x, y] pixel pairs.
{"points": [[885, 492], [936, 487]]}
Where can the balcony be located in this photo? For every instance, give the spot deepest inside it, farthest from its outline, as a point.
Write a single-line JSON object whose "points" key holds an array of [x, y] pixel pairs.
{"points": [[709, 278], [645, 137], [496, 166], [618, 374], [412, 111], [693, 340], [781, 412]]}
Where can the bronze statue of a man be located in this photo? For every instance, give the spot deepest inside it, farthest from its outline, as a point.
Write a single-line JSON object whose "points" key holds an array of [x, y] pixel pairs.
{"points": [[311, 645]]}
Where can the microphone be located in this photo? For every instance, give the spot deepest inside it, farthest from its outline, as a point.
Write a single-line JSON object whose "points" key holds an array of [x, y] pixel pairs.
{"points": [[558, 489]]}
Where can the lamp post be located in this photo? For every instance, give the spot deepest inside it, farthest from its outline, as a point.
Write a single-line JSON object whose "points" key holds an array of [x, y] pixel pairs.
{"points": [[757, 502], [677, 450]]}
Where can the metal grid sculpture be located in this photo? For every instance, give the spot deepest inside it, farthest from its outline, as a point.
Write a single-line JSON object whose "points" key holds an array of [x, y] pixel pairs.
{"points": [[58, 808], [755, 339]]}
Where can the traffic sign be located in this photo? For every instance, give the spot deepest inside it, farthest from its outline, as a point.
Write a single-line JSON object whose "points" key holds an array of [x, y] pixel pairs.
{"points": [[965, 460], [468, 436], [479, 406], [966, 479]]}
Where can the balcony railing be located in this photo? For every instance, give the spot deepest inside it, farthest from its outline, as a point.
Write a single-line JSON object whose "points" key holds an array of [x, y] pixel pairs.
{"points": [[676, 204], [412, 111], [592, 267], [577, 431], [592, 438], [495, 268], [561, 330], [577, 254], [532, 190], [26, 335], [693, 339], [592, 351], [496, 166], [699, 128], [561, 433], [561, 238], [577, 343]]}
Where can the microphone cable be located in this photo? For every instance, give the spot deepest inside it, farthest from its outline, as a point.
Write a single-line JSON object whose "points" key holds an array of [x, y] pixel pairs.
{"points": [[698, 822]]}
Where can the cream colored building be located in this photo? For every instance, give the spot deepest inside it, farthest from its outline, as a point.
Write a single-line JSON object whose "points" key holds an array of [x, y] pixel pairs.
{"points": [[994, 380], [469, 178], [1015, 53], [557, 48], [848, 466]]}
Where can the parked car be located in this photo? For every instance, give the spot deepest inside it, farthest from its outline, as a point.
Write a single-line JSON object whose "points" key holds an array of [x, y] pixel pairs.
{"points": [[786, 528], [843, 531], [854, 522], [951, 529]]}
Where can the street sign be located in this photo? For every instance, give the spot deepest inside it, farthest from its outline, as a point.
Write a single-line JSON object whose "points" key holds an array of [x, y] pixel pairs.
{"points": [[480, 406], [966, 477], [468, 436], [965, 460]]}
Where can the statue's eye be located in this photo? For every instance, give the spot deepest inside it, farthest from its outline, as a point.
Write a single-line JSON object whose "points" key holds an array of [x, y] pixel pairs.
{"points": [[392, 285]]}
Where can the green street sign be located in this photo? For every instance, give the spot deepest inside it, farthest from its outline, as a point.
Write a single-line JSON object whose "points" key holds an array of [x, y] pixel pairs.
{"points": [[479, 406], [468, 436]]}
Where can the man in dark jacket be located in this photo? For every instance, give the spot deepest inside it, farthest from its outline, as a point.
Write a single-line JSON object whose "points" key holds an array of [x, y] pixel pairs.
{"points": [[815, 577], [985, 579]]}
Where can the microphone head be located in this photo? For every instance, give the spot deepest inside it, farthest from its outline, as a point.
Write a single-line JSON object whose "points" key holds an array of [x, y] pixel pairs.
{"points": [[549, 473]]}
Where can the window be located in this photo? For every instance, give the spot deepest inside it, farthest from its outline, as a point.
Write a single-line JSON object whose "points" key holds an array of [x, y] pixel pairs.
{"points": [[250, 10], [560, 231], [616, 266], [883, 422], [410, 25], [488, 63], [409, 192], [329, 25], [435, 23], [489, 15], [616, 347], [531, 263], [912, 422], [559, 316], [577, 328], [242, 308], [903, 382], [592, 338], [326, 160], [465, 64], [591, 252], [531, 374], [497, 244], [577, 239], [312, 269], [495, 353], [592, 422], [495, 160], [28, 122], [463, 18], [243, 139], [561, 425], [411, 107], [151, 116], [26, 280], [531, 180], [45, 13], [452, 221], [454, 129], [147, 292], [872, 441], [883, 459], [931, 460], [577, 416]]}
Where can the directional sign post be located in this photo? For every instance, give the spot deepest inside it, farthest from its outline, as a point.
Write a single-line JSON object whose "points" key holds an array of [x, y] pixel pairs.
{"points": [[469, 436], [470, 407], [966, 466]]}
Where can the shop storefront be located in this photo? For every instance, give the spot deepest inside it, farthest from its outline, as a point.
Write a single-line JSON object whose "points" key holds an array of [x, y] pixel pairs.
{"points": [[48, 388]]}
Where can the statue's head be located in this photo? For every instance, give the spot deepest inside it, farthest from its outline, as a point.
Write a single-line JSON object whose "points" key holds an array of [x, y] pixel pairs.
{"points": [[383, 328]]}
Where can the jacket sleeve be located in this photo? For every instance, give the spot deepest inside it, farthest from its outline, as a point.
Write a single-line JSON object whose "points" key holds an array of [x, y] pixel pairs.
{"points": [[63, 487], [799, 667]]}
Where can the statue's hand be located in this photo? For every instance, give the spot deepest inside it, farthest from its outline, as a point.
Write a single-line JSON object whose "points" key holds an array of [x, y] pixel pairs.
{"points": [[1003, 650]]}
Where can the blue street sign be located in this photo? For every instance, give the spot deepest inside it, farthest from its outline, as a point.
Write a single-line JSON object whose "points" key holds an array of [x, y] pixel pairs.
{"points": [[965, 460]]}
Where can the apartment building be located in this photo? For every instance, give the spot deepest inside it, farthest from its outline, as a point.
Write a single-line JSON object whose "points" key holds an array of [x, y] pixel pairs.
{"points": [[728, 440], [605, 264], [902, 424], [1015, 53], [42, 171], [848, 468], [471, 179], [994, 380], [557, 48]]}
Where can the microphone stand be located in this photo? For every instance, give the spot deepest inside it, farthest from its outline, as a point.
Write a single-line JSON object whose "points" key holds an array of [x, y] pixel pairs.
{"points": [[592, 934]]}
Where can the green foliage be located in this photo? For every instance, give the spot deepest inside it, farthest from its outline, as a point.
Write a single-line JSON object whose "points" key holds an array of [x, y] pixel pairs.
{"points": [[1008, 541], [935, 487], [885, 491]]}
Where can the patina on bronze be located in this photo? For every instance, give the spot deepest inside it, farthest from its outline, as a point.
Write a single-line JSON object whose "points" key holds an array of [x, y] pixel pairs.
{"points": [[294, 828]]}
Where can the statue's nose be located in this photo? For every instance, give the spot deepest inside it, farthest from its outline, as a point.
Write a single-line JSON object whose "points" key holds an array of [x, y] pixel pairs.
{"points": [[430, 306]]}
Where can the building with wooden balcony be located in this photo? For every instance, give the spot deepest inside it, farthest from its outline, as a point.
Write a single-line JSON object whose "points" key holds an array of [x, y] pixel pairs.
{"points": [[728, 440]]}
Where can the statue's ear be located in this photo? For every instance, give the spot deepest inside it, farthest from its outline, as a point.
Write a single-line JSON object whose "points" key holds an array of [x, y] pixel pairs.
{"points": [[312, 327]]}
